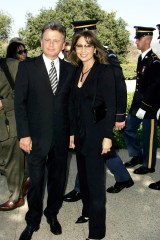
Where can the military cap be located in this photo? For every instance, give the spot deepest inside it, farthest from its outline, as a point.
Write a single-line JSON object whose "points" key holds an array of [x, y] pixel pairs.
{"points": [[143, 31], [16, 39], [158, 27], [84, 25]]}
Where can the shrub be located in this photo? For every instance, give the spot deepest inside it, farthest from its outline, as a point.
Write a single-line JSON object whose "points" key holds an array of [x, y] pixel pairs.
{"points": [[129, 71]]}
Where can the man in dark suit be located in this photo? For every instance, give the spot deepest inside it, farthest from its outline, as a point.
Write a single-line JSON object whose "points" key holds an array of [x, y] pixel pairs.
{"points": [[43, 117], [144, 107]]}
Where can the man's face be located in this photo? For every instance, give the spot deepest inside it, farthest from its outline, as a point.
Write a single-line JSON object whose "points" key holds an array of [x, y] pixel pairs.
{"points": [[143, 43], [52, 43], [21, 53]]}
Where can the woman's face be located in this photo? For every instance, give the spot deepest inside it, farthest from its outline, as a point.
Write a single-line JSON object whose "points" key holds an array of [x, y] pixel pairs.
{"points": [[21, 53], [84, 51]]}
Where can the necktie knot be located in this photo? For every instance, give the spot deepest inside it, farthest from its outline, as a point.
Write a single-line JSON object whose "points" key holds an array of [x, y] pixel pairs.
{"points": [[52, 64]]}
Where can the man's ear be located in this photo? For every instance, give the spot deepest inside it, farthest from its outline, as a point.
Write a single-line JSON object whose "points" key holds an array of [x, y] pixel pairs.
{"points": [[63, 45]]}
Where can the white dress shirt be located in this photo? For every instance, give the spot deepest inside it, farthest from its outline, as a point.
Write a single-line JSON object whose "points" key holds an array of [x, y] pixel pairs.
{"points": [[48, 61]]}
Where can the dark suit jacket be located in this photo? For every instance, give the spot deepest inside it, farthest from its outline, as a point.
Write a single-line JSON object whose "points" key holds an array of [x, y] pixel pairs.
{"points": [[121, 89], [40, 114], [100, 82]]}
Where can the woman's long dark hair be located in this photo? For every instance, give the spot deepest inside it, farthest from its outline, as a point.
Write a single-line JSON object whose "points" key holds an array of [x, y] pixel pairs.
{"points": [[91, 39], [12, 49]]}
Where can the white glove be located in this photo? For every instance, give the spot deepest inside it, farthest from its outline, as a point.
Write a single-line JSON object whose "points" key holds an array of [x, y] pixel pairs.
{"points": [[140, 113], [158, 113]]}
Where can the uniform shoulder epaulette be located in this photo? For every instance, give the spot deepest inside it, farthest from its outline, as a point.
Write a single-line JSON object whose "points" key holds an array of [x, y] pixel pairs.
{"points": [[156, 61], [154, 57]]}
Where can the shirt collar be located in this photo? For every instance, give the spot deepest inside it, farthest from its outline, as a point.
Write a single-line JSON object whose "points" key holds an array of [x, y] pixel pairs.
{"points": [[145, 52], [48, 61]]}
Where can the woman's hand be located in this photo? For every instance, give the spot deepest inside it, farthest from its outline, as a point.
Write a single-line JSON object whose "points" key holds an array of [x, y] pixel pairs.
{"points": [[71, 143], [106, 145]]}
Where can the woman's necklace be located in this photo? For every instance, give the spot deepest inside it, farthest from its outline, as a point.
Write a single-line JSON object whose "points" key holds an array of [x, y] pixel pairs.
{"points": [[82, 74]]}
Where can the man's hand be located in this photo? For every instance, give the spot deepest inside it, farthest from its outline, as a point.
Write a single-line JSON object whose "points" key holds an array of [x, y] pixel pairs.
{"points": [[26, 144], [71, 143], [106, 145], [119, 125], [140, 113], [1, 105]]}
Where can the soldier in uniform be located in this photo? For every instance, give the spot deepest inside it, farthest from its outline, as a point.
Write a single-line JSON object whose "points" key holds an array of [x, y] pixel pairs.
{"points": [[143, 108], [113, 161], [156, 185], [11, 156]]}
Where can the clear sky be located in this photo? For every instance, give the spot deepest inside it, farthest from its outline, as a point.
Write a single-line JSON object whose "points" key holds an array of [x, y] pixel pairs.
{"points": [[134, 12]]}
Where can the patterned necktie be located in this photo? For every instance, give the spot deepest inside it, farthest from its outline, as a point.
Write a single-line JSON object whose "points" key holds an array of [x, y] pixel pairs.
{"points": [[53, 77]]}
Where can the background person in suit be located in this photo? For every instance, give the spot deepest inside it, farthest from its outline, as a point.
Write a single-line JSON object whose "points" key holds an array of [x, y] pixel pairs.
{"points": [[12, 162], [113, 162], [144, 107], [43, 116], [156, 185]]}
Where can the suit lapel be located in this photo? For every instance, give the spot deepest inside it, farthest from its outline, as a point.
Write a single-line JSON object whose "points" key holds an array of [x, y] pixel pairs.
{"points": [[41, 68]]}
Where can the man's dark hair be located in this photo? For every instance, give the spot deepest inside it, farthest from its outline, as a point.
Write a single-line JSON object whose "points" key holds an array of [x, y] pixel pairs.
{"points": [[54, 25]]}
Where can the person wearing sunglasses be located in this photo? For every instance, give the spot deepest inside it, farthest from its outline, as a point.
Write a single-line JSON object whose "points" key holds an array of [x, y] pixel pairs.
{"points": [[17, 51], [95, 102], [12, 158], [114, 163]]}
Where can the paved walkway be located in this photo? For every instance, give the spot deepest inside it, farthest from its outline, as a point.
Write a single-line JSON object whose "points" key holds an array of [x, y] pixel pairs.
{"points": [[132, 214]]}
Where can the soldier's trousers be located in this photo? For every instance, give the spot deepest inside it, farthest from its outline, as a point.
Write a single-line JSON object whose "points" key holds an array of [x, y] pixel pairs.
{"points": [[12, 163], [148, 149]]}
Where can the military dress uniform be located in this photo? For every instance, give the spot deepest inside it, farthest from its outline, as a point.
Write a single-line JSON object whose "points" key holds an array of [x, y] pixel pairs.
{"points": [[144, 99], [11, 156]]}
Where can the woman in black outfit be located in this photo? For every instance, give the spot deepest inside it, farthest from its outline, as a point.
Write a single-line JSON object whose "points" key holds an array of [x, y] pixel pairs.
{"points": [[94, 87]]}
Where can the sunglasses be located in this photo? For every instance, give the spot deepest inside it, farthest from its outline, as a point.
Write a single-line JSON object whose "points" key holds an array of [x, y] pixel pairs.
{"points": [[86, 47], [20, 52]]}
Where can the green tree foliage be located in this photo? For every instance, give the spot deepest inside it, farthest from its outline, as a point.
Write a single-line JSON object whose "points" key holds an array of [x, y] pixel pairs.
{"points": [[5, 25], [5, 30], [111, 31], [31, 33]]}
